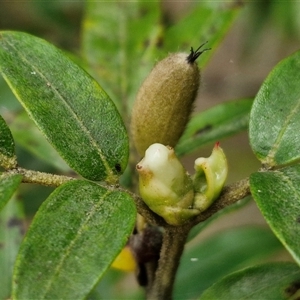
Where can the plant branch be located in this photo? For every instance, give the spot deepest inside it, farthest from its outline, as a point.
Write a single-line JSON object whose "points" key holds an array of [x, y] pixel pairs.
{"points": [[42, 178], [151, 217], [174, 239], [229, 195]]}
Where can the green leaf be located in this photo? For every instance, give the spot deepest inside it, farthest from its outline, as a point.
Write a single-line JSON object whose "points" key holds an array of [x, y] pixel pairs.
{"points": [[214, 124], [275, 117], [68, 106], [12, 227], [206, 21], [73, 239], [120, 43], [277, 281], [7, 146], [8, 185], [29, 137], [277, 194], [221, 254]]}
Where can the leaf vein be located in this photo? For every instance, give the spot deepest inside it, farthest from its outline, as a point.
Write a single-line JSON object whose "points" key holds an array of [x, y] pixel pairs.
{"points": [[71, 245], [271, 155], [67, 105]]}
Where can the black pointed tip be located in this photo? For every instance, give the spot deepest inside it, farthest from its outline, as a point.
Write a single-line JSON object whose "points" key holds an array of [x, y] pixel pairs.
{"points": [[196, 53]]}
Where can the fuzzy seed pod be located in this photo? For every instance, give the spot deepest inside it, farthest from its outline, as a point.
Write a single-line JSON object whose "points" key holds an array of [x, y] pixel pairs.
{"points": [[165, 100]]}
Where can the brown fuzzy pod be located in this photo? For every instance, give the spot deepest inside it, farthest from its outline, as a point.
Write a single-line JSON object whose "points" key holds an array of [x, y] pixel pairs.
{"points": [[165, 101]]}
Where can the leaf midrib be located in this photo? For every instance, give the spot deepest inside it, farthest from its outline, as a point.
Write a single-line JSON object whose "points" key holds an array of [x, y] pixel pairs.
{"points": [[65, 102], [67, 251], [270, 157]]}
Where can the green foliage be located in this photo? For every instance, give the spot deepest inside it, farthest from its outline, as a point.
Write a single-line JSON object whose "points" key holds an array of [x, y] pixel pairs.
{"points": [[12, 227], [73, 239], [274, 121], [67, 105], [109, 43], [30, 137], [274, 137], [278, 281], [7, 145], [218, 122], [225, 252], [8, 185], [82, 226], [213, 21], [277, 194]]}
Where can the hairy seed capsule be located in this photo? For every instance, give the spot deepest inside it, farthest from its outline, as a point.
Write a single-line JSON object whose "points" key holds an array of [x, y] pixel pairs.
{"points": [[165, 101]]}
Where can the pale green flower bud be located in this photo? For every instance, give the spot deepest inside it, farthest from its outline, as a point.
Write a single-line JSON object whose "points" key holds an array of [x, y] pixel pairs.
{"points": [[165, 185], [211, 174]]}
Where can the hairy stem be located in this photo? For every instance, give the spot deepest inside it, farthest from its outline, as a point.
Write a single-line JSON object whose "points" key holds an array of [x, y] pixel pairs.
{"points": [[230, 194], [151, 217], [174, 239], [42, 178]]}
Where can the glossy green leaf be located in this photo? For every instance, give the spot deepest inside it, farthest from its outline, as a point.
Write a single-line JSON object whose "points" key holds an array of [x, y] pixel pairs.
{"points": [[221, 254], [68, 106], [214, 124], [277, 194], [275, 117], [7, 146], [206, 21], [8, 185], [120, 43], [73, 239], [12, 227], [277, 281], [27, 135]]}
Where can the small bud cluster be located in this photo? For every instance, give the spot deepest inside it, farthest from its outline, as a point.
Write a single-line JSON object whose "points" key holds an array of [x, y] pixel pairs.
{"points": [[159, 116], [171, 192]]}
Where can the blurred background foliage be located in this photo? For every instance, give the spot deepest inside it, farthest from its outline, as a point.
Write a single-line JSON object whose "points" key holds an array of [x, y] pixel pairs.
{"points": [[264, 33]]}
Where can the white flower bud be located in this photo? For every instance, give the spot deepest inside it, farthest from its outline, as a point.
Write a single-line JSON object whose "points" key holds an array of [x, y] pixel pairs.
{"points": [[165, 185], [211, 174]]}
